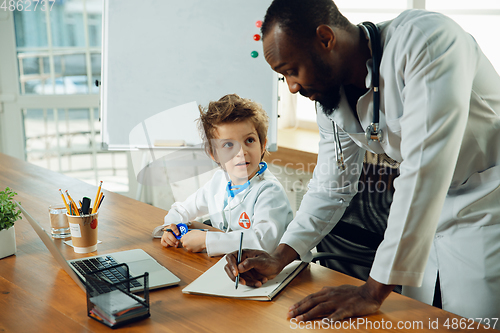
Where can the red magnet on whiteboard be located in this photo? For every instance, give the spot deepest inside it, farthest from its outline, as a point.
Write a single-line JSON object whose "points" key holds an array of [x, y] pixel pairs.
{"points": [[258, 24], [256, 37]]}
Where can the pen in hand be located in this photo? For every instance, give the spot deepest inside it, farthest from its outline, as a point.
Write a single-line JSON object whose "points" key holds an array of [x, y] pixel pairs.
{"points": [[239, 260]]}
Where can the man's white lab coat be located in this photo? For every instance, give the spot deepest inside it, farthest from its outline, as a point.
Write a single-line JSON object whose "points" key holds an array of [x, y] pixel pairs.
{"points": [[262, 212], [440, 117]]}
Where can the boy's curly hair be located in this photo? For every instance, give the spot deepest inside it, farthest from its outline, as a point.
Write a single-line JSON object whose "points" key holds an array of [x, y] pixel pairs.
{"points": [[231, 109]]}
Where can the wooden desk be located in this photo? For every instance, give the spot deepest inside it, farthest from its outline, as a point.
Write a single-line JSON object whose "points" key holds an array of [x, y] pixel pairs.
{"points": [[36, 295]]}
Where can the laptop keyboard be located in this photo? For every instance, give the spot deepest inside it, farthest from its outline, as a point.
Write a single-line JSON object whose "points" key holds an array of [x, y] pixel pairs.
{"points": [[112, 275]]}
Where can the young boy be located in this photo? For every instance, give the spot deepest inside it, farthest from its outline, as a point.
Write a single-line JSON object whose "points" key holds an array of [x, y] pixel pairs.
{"points": [[242, 197]]}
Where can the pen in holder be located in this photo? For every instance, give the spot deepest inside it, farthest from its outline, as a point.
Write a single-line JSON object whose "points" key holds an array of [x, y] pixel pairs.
{"points": [[112, 303]]}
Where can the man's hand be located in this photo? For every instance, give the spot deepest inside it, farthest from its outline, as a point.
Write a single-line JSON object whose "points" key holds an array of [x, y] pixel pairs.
{"points": [[341, 302], [256, 266]]}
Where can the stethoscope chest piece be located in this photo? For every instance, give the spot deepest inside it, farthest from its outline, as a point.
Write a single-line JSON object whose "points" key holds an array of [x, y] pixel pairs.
{"points": [[373, 133]]}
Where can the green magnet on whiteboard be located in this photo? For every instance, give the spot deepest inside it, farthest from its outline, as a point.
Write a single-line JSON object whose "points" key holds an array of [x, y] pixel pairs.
{"points": [[254, 54]]}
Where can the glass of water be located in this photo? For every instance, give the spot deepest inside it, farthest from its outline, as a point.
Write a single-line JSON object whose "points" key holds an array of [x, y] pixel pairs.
{"points": [[59, 222]]}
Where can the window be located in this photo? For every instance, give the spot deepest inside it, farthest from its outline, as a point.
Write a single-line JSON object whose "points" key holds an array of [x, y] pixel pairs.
{"points": [[479, 18], [58, 56], [476, 17]]}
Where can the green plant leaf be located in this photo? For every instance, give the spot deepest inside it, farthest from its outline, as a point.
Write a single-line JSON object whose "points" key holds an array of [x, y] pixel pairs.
{"points": [[9, 212]]}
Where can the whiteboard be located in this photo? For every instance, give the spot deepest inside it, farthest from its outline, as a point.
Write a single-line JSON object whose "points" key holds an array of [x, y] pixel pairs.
{"points": [[161, 55]]}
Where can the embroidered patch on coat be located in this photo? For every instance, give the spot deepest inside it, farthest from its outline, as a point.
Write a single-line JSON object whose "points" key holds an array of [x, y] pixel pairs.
{"points": [[244, 220]]}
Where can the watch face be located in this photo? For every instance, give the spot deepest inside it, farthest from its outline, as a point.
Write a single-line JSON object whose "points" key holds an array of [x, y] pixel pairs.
{"points": [[183, 229]]}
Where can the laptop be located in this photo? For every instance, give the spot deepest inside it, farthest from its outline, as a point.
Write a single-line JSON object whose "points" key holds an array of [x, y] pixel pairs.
{"points": [[137, 260]]}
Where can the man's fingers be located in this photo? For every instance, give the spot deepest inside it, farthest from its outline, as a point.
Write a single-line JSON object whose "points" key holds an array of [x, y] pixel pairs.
{"points": [[252, 278], [311, 307], [339, 315], [308, 299], [256, 263], [229, 272], [246, 278], [336, 303], [320, 310], [245, 265], [255, 267], [232, 265]]}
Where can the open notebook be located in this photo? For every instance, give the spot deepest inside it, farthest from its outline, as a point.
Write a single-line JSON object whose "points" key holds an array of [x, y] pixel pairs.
{"points": [[215, 282]]}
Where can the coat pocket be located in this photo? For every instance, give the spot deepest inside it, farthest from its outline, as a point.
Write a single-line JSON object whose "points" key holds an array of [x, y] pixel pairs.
{"points": [[477, 201]]}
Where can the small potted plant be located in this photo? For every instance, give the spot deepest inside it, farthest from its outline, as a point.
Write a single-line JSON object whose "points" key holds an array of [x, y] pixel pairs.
{"points": [[9, 213]]}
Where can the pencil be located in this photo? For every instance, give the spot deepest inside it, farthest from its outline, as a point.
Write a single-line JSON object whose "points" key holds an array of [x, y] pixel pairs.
{"points": [[101, 198], [75, 208], [96, 201], [72, 202], [65, 203]]}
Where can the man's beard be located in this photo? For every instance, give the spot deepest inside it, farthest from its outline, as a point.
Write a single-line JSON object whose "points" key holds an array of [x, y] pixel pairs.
{"points": [[329, 99]]}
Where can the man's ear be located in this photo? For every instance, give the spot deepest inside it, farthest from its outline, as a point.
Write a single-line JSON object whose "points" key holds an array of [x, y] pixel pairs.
{"points": [[326, 36]]}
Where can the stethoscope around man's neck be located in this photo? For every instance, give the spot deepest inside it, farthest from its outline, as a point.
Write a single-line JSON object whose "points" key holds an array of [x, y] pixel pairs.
{"points": [[373, 131]]}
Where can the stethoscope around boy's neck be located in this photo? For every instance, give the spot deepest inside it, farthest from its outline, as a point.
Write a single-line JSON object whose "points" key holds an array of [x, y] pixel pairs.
{"points": [[234, 190], [373, 131]]}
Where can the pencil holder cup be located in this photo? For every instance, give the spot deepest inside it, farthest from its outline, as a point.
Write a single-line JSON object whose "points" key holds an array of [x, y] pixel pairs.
{"points": [[83, 232]]}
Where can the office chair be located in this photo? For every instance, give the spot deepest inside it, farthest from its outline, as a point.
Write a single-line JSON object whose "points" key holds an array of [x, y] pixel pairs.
{"points": [[351, 245]]}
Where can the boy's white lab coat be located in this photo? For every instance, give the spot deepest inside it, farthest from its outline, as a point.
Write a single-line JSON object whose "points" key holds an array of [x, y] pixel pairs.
{"points": [[262, 212], [440, 117]]}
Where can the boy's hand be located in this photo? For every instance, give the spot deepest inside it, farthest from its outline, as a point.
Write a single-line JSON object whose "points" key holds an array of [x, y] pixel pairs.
{"points": [[168, 238], [194, 240]]}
